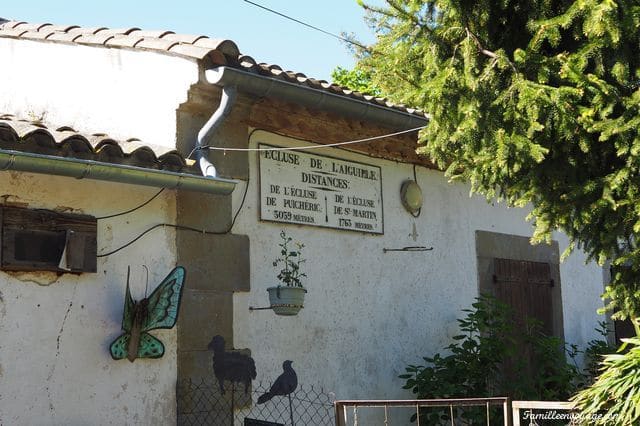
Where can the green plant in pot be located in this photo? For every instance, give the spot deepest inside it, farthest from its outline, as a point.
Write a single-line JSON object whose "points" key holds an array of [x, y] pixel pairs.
{"points": [[288, 297]]}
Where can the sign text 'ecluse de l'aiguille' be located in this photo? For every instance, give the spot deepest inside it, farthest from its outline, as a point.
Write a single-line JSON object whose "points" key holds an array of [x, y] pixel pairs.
{"points": [[299, 187]]}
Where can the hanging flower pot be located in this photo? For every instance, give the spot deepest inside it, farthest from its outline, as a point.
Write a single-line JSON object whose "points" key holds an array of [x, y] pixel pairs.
{"points": [[288, 298]]}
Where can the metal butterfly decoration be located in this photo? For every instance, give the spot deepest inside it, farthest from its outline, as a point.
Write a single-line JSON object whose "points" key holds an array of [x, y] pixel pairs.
{"points": [[159, 310]]}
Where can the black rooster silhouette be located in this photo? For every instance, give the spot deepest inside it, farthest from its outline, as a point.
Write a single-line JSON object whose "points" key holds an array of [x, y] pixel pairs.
{"points": [[231, 365], [285, 384]]}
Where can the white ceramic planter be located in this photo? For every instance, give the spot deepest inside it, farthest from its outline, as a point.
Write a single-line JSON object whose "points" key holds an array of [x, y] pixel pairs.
{"points": [[286, 300]]}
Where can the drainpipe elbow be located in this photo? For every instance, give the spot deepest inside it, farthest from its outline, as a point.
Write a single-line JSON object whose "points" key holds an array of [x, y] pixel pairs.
{"points": [[226, 102]]}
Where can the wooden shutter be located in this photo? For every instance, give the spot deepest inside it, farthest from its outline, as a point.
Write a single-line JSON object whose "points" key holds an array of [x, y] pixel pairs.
{"points": [[526, 287]]}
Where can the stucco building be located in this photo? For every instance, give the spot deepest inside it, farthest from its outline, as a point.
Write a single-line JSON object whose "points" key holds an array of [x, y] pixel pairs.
{"points": [[385, 285]]}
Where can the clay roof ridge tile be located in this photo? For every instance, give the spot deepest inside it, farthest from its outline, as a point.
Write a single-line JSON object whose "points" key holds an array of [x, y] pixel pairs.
{"points": [[117, 31], [12, 24], [86, 30], [29, 26]]}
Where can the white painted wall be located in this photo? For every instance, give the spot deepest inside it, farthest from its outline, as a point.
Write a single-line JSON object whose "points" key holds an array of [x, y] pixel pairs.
{"points": [[124, 93], [368, 314], [55, 331]]}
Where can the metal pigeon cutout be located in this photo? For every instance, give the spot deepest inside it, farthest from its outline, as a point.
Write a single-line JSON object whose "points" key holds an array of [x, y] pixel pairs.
{"points": [[284, 385], [159, 310]]}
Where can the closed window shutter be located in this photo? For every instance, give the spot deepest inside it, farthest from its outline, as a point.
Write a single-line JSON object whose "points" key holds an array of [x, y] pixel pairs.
{"points": [[526, 287]]}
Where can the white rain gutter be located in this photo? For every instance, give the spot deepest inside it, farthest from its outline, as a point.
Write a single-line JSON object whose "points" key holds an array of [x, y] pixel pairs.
{"points": [[262, 86], [88, 169]]}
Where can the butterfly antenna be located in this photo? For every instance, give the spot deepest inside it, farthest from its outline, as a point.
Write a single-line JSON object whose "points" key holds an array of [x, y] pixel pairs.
{"points": [[146, 284]]}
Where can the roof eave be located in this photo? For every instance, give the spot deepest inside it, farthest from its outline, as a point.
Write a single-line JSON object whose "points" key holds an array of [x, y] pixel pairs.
{"points": [[263, 86]]}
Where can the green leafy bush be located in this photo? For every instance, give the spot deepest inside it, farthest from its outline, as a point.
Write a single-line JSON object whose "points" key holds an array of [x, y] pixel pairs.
{"points": [[480, 358]]}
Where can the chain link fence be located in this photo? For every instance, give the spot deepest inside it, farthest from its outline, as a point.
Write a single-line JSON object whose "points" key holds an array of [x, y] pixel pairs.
{"points": [[200, 402]]}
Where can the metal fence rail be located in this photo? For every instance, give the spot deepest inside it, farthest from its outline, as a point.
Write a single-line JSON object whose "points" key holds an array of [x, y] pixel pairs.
{"points": [[453, 406], [202, 403]]}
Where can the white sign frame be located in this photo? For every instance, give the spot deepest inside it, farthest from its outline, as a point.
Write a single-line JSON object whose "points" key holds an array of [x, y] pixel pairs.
{"points": [[304, 188]]}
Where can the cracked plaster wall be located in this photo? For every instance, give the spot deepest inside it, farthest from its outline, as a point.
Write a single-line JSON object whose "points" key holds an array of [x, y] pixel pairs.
{"points": [[55, 331]]}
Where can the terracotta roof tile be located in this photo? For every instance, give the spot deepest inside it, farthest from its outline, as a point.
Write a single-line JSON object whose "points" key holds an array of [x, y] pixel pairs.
{"points": [[36, 137], [197, 52], [212, 52], [64, 37], [12, 24], [187, 39], [122, 41], [61, 28], [246, 61], [85, 30], [155, 43], [10, 32], [227, 47], [149, 34], [28, 26], [35, 35], [117, 31], [100, 39]]}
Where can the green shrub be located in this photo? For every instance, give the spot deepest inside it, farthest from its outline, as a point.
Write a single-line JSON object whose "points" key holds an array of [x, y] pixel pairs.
{"points": [[475, 364]]}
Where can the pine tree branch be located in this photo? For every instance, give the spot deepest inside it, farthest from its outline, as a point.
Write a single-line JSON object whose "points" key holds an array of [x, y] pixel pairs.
{"points": [[486, 52]]}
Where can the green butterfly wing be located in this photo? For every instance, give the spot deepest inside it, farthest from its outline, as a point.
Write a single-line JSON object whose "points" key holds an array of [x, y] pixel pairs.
{"points": [[119, 347], [149, 347], [164, 303], [160, 311]]}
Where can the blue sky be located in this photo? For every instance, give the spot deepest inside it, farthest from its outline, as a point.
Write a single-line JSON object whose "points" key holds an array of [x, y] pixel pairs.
{"points": [[264, 36]]}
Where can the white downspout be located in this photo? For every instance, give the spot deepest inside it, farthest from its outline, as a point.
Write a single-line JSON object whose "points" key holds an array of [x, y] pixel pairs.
{"points": [[226, 102]]}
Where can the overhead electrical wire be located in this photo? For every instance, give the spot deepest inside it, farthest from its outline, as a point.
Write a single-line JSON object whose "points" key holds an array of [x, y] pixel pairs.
{"points": [[180, 227], [346, 40], [133, 209], [306, 147]]}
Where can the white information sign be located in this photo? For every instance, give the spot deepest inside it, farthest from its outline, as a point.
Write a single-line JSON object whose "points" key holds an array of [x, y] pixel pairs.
{"points": [[304, 188]]}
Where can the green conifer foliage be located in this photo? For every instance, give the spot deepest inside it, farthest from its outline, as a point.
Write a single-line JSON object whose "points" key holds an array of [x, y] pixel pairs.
{"points": [[535, 102]]}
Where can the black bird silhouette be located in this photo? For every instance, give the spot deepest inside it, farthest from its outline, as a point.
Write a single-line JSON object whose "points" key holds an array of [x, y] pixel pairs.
{"points": [[230, 365], [285, 384]]}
